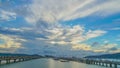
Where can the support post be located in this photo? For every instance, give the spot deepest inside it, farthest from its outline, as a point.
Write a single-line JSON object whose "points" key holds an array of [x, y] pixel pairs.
{"points": [[14, 60], [106, 65], [115, 65], [110, 65], [99, 63], [0, 61], [6, 61], [19, 60], [102, 63]]}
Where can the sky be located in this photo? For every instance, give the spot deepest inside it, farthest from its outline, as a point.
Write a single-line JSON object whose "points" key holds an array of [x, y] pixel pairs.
{"points": [[60, 27]]}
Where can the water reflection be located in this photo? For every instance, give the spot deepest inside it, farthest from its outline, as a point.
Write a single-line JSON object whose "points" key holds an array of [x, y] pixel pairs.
{"points": [[48, 63]]}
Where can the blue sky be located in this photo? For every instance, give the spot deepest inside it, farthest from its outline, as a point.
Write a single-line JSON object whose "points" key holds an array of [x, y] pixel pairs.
{"points": [[60, 27]]}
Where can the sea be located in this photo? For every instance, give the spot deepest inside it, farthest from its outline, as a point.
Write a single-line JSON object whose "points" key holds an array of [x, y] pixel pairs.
{"points": [[48, 63]]}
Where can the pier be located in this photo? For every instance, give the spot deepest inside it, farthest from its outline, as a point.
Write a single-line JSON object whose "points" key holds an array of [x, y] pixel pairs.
{"points": [[15, 59], [105, 63]]}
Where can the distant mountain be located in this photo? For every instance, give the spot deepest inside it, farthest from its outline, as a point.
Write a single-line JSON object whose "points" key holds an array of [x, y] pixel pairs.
{"points": [[106, 56], [10, 54]]}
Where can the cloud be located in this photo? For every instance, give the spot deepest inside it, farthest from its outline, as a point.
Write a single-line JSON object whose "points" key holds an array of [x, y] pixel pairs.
{"points": [[106, 41], [26, 33], [118, 39], [55, 10], [115, 28], [6, 15], [92, 34], [47, 33], [56, 34], [53, 36], [9, 44], [103, 48], [72, 35], [95, 44], [107, 48], [84, 47]]}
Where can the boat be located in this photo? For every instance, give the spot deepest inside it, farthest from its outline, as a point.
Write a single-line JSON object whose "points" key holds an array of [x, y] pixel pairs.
{"points": [[64, 60]]}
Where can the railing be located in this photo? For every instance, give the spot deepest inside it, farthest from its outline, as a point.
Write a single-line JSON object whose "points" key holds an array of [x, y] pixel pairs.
{"points": [[106, 63], [14, 59]]}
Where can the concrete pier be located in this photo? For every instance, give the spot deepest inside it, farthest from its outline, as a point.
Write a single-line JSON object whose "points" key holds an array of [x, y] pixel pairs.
{"points": [[109, 64], [105, 63], [14, 59]]}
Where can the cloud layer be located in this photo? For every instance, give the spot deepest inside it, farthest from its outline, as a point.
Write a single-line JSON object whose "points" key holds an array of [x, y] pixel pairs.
{"points": [[47, 35], [46, 40], [63, 10]]}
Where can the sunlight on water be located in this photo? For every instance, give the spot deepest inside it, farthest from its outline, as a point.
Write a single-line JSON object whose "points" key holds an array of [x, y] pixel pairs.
{"points": [[49, 63]]}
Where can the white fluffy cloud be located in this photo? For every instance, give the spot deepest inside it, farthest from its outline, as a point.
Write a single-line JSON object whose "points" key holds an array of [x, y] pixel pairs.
{"points": [[72, 35], [92, 34], [82, 47]]}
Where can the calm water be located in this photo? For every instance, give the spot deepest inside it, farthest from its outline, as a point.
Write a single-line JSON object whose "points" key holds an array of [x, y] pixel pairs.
{"points": [[48, 63]]}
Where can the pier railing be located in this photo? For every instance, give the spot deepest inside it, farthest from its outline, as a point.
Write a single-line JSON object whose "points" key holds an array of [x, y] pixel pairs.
{"points": [[14, 59], [105, 63]]}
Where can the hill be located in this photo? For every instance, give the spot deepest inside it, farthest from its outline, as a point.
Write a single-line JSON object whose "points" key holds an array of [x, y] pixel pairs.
{"points": [[10, 54], [106, 56]]}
